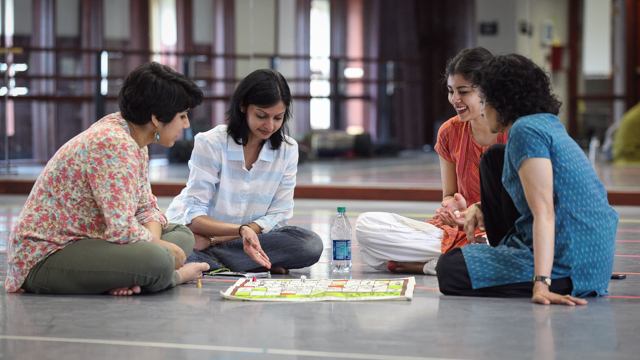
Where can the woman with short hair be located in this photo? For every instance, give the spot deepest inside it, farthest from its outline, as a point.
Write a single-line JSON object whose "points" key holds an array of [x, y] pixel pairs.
{"points": [[91, 224]]}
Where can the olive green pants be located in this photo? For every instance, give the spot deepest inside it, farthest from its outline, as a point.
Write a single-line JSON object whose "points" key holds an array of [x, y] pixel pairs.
{"points": [[95, 266]]}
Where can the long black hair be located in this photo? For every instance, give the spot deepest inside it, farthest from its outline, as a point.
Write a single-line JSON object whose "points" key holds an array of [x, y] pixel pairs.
{"points": [[515, 87], [155, 89], [263, 88]]}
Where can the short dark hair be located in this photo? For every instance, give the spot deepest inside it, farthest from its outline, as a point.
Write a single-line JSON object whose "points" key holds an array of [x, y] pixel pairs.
{"points": [[515, 87], [467, 62], [263, 88], [156, 89]]}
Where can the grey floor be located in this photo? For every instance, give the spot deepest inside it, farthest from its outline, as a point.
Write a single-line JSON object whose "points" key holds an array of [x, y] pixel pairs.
{"points": [[196, 323]]}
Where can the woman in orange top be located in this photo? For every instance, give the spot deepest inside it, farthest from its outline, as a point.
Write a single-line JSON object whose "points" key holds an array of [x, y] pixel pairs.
{"points": [[406, 245]]}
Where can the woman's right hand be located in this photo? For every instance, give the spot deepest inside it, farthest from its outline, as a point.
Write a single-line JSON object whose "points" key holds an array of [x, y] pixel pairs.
{"points": [[474, 219], [542, 295], [252, 247]]}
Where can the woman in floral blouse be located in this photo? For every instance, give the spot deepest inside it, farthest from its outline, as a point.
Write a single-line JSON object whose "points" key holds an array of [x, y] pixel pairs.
{"points": [[91, 224]]}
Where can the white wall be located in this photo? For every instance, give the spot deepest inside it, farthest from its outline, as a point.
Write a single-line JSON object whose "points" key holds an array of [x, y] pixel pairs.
{"points": [[203, 22], [510, 14], [68, 18], [117, 19], [255, 33], [22, 15], [504, 13]]}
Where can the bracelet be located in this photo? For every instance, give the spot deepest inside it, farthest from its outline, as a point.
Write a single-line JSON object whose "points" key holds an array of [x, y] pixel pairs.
{"points": [[213, 240], [240, 229]]}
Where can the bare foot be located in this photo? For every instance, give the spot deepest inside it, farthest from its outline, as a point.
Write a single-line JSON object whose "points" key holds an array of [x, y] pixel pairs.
{"points": [[406, 267], [273, 270], [125, 290], [191, 271]]}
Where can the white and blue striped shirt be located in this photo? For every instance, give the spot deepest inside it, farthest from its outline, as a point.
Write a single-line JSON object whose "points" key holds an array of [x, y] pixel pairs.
{"points": [[221, 187]]}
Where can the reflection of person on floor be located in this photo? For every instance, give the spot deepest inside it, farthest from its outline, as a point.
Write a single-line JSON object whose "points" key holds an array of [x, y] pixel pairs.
{"points": [[566, 234], [626, 144], [91, 224], [240, 190], [404, 245]]}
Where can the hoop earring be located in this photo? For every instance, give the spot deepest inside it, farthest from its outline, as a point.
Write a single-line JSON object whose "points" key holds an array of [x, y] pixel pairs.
{"points": [[157, 137]]}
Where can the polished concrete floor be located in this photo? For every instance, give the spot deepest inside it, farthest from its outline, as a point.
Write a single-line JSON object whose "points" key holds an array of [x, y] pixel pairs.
{"points": [[187, 322]]}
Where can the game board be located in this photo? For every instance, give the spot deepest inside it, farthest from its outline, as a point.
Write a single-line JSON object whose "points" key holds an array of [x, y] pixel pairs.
{"points": [[320, 290]]}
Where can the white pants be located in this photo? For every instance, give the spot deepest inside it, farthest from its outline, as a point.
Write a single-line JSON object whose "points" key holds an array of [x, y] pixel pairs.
{"points": [[383, 237]]}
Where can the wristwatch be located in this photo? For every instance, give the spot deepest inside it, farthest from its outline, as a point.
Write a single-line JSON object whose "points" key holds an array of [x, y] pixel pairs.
{"points": [[544, 279]]}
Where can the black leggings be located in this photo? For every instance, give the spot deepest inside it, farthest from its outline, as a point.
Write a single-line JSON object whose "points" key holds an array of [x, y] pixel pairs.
{"points": [[500, 215]]}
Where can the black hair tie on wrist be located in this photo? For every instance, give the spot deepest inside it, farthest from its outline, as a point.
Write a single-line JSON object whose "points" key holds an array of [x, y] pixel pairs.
{"points": [[240, 229]]}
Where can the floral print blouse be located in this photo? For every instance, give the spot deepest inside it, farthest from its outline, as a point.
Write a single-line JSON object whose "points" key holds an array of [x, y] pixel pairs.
{"points": [[95, 187]]}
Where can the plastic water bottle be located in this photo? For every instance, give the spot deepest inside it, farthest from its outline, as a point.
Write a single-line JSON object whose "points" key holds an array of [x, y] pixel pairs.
{"points": [[341, 239]]}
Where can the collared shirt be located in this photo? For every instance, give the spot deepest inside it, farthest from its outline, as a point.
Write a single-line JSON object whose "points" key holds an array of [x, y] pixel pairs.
{"points": [[96, 186], [585, 224], [221, 187]]}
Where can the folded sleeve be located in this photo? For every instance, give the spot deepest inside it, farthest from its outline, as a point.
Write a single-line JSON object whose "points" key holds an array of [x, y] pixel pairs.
{"points": [[204, 178], [445, 141]]}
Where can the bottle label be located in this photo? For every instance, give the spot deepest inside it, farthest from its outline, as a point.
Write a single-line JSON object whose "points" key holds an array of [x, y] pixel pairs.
{"points": [[342, 250]]}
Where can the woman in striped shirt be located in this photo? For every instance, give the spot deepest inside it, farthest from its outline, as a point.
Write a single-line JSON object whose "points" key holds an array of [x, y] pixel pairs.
{"points": [[240, 190]]}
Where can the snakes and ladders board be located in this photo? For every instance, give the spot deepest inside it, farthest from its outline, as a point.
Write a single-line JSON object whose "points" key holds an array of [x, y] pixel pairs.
{"points": [[300, 290]]}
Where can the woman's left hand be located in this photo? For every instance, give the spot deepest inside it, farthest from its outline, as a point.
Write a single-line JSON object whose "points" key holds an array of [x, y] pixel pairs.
{"points": [[252, 247], [177, 252], [542, 295], [453, 211]]}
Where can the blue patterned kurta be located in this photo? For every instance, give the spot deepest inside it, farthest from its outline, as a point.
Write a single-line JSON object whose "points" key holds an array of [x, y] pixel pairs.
{"points": [[585, 224]]}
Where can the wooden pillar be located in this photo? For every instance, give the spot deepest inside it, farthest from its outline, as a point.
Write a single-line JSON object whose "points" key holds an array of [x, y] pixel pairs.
{"points": [[223, 52], [338, 40], [575, 36], [42, 63], [91, 35], [633, 52], [371, 24], [303, 65], [184, 29], [445, 28], [139, 41]]}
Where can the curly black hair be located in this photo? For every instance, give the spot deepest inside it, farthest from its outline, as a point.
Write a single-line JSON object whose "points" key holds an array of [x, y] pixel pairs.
{"points": [[515, 87]]}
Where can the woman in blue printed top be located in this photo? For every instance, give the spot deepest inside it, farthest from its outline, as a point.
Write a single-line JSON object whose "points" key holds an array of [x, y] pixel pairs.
{"points": [[562, 247], [240, 190]]}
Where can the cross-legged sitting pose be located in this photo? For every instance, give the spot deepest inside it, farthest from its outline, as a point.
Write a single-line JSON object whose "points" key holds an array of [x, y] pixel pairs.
{"points": [[409, 246], [240, 190], [91, 224], [562, 246]]}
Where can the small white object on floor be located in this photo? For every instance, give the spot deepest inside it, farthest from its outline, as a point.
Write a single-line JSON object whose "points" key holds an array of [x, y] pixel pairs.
{"points": [[303, 278], [429, 267]]}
